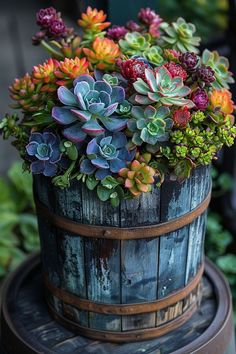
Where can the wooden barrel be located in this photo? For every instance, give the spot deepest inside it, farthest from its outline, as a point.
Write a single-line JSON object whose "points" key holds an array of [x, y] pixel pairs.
{"points": [[26, 326], [126, 273]]}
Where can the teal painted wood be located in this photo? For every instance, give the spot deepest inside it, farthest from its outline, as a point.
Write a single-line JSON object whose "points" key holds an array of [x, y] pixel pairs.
{"points": [[34, 326], [139, 258], [68, 203], [102, 261], [128, 271], [199, 190], [48, 239], [176, 201]]}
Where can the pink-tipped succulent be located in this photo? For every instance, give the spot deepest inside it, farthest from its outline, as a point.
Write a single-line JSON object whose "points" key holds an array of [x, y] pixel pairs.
{"points": [[138, 177], [161, 87]]}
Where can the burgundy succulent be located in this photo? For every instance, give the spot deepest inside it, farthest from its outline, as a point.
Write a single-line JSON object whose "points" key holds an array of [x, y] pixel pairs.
{"points": [[57, 28], [189, 61], [116, 32], [176, 70], [132, 69], [181, 117], [148, 16], [45, 17], [38, 37], [154, 28], [206, 74], [133, 26], [200, 99]]}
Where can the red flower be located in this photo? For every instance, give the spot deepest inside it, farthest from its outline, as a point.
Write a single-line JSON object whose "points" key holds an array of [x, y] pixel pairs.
{"points": [[181, 117]]}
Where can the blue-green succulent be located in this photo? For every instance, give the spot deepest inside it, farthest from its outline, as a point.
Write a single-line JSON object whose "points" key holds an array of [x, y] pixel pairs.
{"points": [[106, 155], [89, 108], [150, 125]]}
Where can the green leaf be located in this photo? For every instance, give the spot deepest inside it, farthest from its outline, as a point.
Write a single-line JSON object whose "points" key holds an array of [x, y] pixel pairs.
{"points": [[22, 181], [183, 169], [91, 182], [227, 263], [8, 220], [115, 202], [103, 193], [109, 182], [72, 152]]}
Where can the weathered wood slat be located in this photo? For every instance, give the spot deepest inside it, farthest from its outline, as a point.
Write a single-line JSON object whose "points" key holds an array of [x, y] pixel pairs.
{"points": [[139, 258], [71, 250], [47, 337], [102, 261], [200, 188], [112, 271]]}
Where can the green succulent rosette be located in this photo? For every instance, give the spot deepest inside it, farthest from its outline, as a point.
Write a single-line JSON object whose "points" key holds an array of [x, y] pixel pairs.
{"points": [[180, 36], [220, 65], [135, 43], [150, 125]]}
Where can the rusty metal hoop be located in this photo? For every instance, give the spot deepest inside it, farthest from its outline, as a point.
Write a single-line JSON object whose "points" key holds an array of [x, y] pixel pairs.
{"points": [[117, 233]]}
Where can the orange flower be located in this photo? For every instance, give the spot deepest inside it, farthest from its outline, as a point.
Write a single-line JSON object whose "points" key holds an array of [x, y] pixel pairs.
{"points": [[222, 99], [69, 69], [104, 53], [44, 74], [93, 20]]}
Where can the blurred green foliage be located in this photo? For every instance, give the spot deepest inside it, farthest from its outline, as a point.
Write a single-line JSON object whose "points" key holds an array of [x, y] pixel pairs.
{"points": [[210, 17], [18, 224], [218, 239]]}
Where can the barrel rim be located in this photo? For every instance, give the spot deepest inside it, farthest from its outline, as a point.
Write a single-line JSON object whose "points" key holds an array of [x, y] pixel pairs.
{"points": [[203, 344]]}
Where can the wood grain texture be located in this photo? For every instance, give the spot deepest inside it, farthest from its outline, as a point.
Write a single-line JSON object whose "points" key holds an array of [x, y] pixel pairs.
{"points": [[102, 261], [127, 271], [139, 258], [200, 187], [33, 323]]}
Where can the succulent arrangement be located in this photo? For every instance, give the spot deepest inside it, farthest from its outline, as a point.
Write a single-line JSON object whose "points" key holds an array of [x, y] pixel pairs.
{"points": [[119, 108]]}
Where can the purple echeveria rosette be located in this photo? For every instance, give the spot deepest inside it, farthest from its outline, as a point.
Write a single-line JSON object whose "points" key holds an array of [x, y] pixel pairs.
{"points": [[106, 155], [200, 99], [44, 153], [45, 17], [88, 108]]}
